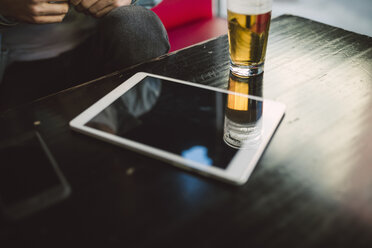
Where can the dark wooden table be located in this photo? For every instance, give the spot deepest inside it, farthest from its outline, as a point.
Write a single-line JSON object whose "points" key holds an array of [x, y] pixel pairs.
{"points": [[311, 188]]}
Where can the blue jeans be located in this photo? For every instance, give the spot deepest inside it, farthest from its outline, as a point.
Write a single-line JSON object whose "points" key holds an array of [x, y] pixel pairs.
{"points": [[126, 36]]}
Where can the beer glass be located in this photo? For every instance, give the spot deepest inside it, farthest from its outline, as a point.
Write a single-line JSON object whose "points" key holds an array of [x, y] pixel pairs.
{"points": [[248, 22]]}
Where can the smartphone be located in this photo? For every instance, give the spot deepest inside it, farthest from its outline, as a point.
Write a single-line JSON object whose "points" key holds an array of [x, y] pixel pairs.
{"points": [[30, 179]]}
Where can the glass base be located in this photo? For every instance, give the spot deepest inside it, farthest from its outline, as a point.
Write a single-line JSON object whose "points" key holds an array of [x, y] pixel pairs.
{"points": [[240, 136], [246, 71]]}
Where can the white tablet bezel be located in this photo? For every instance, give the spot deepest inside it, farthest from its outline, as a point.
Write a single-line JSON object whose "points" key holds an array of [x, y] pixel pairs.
{"points": [[237, 172]]}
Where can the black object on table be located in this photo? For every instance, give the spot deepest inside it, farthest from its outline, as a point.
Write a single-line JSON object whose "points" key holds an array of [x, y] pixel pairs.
{"points": [[311, 188]]}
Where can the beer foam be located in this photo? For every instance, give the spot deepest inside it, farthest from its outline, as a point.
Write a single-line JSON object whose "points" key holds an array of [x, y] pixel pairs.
{"points": [[250, 7]]}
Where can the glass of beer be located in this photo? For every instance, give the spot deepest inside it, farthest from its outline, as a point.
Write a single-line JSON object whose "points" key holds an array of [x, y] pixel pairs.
{"points": [[248, 22]]}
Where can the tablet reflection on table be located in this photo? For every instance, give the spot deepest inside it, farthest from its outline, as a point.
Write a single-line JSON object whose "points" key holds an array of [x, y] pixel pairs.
{"points": [[243, 122]]}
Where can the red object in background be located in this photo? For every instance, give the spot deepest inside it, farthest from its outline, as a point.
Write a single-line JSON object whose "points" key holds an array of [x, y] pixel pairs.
{"points": [[189, 21], [195, 32], [174, 13]]}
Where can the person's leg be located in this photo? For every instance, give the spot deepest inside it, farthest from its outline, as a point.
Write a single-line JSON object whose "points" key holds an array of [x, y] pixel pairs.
{"points": [[129, 35], [126, 36]]}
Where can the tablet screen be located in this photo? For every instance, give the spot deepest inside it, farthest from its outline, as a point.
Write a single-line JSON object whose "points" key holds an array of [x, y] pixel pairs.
{"points": [[197, 124]]}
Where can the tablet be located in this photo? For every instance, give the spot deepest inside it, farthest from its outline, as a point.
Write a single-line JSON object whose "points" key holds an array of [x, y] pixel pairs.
{"points": [[211, 131]]}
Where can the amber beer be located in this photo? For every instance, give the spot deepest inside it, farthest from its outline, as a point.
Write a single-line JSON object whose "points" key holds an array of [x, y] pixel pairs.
{"points": [[248, 22]]}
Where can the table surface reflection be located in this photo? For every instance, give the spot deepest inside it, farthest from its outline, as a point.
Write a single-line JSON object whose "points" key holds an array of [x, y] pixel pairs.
{"points": [[311, 188]]}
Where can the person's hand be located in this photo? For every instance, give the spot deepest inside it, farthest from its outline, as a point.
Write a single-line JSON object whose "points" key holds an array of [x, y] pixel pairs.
{"points": [[34, 11], [98, 8]]}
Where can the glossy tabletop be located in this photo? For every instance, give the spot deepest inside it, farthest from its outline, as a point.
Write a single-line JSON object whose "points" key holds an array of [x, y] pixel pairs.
{"points": [[311, 188]]}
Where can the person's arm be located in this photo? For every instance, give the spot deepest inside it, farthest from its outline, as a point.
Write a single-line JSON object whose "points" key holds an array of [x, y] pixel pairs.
{"points": [[99, 8], [32, 11]]}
